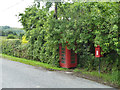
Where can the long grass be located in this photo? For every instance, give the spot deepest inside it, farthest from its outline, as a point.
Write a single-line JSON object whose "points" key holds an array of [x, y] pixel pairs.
{"points": [[106, 77]]}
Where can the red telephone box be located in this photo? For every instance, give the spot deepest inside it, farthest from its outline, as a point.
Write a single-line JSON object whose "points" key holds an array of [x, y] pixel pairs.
{"points": [[98, 51], [68, 58]]}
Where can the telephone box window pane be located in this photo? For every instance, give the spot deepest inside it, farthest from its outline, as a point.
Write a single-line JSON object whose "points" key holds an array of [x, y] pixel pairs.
{"points": [[72, 54], [72, 61], [73, 58], [62, 61], [63, 58], [63, 55], [63, 48]]}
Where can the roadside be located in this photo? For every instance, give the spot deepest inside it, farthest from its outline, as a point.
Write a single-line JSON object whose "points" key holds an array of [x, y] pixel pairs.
{"points": [[27, 76], [76, 72]]}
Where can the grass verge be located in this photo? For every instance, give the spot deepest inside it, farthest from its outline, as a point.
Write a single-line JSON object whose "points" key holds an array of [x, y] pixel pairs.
{"points": [[33, 63], [110, 79]]}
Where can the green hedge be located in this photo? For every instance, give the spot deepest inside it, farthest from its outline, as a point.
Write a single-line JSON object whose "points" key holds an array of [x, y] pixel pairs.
{"points": [[14, 47], [8, 46]]}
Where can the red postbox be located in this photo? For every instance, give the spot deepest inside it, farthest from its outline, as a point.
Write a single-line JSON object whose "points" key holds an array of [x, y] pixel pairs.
{"points": [[68, 58], [98, 51]]}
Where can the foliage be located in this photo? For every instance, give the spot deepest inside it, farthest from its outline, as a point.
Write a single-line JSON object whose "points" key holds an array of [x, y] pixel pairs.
{"points": [[21, 35], [107, 77], [11, 36], [24, 40], [86, 24], [8, 46]]}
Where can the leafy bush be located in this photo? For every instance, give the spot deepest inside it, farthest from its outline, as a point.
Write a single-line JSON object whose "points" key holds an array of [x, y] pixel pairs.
{"points": [[11, 36], [21, 35], [9, 46], [24, 40]]}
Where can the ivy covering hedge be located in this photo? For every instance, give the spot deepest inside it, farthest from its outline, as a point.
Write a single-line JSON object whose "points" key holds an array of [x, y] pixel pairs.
{"points": [[84, 24]]}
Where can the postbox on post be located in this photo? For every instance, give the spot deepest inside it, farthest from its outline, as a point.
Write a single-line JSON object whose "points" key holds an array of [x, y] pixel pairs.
{"points": [[98, 51], [98, 54], [68, 59]]}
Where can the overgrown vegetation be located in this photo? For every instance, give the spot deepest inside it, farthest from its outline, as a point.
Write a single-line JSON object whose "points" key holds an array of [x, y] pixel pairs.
{"points": [[11, 36], [99, 77], [82, 25]]}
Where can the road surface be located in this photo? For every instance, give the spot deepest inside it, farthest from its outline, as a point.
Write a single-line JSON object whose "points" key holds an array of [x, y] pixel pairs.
{"points": [[18, 75]]}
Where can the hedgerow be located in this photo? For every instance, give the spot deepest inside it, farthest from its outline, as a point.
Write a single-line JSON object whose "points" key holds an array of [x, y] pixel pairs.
{"points": [[82, 25]]}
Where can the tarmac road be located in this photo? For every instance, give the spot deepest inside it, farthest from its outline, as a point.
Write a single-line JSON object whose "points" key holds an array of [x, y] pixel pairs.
{"points": [[18, 75]]}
